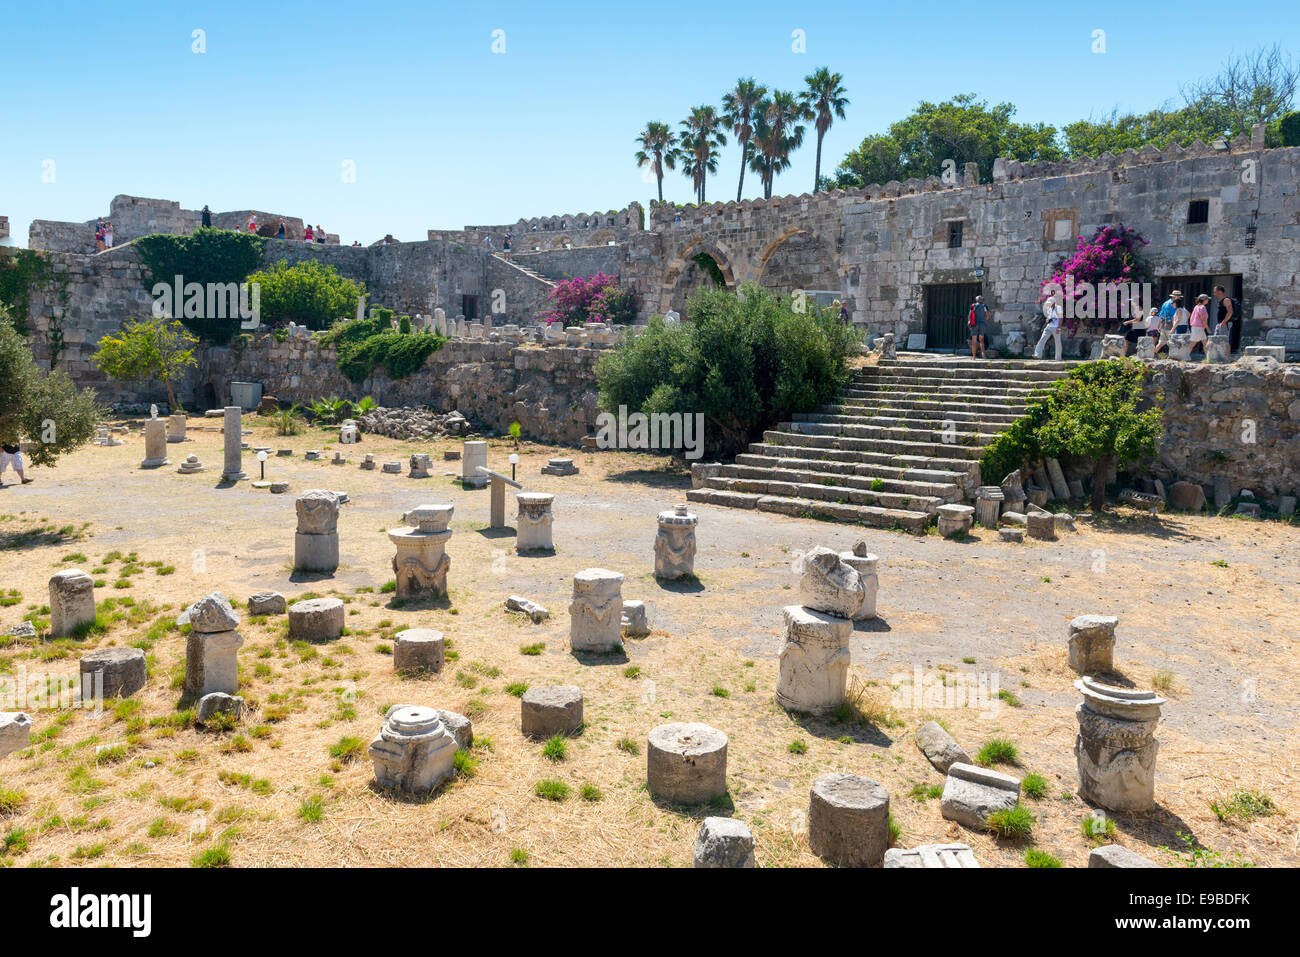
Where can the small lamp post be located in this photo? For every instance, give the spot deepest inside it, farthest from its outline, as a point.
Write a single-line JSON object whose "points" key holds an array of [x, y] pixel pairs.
{"points": [[514, 460], [261, 461]]}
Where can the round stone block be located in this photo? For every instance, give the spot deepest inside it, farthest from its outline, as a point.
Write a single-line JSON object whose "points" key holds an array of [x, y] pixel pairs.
{"points": [[317, 619], [418, 649], [724, 842], [123, 668], [687, 763], [848, 820], [544, 712]]}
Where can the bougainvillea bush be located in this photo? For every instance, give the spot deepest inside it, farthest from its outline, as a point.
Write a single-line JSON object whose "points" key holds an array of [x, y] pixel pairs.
{"points": [[1113, 255], [597, 298]]}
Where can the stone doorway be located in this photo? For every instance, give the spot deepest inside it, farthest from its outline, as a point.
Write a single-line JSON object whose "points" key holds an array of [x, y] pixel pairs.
{"points": [[947, 308]]}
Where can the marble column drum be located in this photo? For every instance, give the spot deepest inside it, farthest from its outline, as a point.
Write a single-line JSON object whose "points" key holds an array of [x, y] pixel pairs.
{"points": [[233, 468], [421, 563], [1115, 747], [675, 543], [534, 522]]}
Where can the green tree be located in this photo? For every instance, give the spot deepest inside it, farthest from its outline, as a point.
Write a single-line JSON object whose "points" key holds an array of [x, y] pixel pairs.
{"points": [[46, 408], [738, 108], [825, 99], [1255, 87], [658, 151], [309, 292], [964, 129], [701, 138], [148, 349], [778, 132]]}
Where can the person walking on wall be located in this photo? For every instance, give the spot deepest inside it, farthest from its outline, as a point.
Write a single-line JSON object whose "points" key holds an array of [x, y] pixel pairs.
{"points": [[1052, 328], [99, 235], [979, 314], [505, 247], [252, 222], [108, 234], [307, 234], [279, 230], [205, 218]]}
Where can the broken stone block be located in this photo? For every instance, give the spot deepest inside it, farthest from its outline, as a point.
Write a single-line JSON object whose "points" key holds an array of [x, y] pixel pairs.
{"points": [[72, 602], [724, 842], [15, 732], [392, 468], [530, 608], [1186, 497], [211, 614], [219, 703], [827, 584], [155, 444], [1017, 519], [971, 794], [866, 566], [1222, 492], [1115, 748], [316, 542], [557, 709], [317, 619], [988, 505], [1011, 534], [596, 611], [1116, 855], [473, 455], [211, 662], [955, 520], [420, 464], [124, 671], [1092, 643], [267, 603], [560, 466], [931, 855], [1249, 509], [675, 543], [814, 660], [413, 752], [24, 629], [939, 747], [1064, 522], [848, 820], [1041, 525], [418, 650], [635, 622], [686, 763]]}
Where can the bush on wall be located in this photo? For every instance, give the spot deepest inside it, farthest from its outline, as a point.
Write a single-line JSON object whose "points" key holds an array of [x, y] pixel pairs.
{"points": [[308, 292], [204, 256], [400, 354]]}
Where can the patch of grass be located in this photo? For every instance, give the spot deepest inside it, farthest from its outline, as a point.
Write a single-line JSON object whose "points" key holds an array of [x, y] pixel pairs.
{"points": [[1244, 806], [720, 692], [466, 764], [798, 746], [519, 857], [1219, 563], [551, 790], [590, 792], [998, 751], [1201, 856], [1097, 828], [347, 749], [218, 856], [1034, 786], [517, 688], [556, 748], [1008, 698], [632, 671], [1014, 822], [628, 745], [389, 586], [312, 809], [14, 842], [11, 801], [534, 649], [1037, 858], [1163, 680]]}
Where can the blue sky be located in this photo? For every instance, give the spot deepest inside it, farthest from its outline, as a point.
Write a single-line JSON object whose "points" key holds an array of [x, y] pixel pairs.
{"points": [[443, 132]]}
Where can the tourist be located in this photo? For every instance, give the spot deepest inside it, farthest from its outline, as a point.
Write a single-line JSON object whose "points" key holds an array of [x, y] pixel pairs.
{"points": [[252, 222], [12, 455], [1156, 330], [1227, 315], [1136, 324], [1182, 318], [1200, 322], [356, 242], [320, 233], [205, 218], [979, 314], [108, 234], [844, 313], [99, 235], [505, 246], [279, 230], [487, 243], [307, 234], [1052, 328]]}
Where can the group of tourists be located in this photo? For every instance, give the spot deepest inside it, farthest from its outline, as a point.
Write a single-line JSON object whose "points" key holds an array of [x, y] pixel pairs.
{"points": [[103, 235], [505, 245], [310, 234]]}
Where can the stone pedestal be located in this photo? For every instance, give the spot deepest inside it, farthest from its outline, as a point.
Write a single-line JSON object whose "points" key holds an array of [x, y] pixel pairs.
{"points": [[413, 752], [988, 505], [596, 611], [349, 434], [123, 670], [421, 562], [176, 427], [814, 660], [233, 468], [316, 619], [1113, 347], [971, 794], [544, 712], [191, 465], [72, 601], [368, 462], [848, 820], [1115, 748], [1218, 349], [1092, 643], [211, 647], [419, 650], [675, 543], [1146, 348], [955, 520], [211, 705], [420, 465], [865, 565], [724, 842], [473, 455], [316, 543], [686, 763], [533, 524], [560, 466], [155, 444]]}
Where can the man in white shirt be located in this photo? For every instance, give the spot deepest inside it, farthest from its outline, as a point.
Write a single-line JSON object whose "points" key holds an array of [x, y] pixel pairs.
{"points": [[1052, 310]]}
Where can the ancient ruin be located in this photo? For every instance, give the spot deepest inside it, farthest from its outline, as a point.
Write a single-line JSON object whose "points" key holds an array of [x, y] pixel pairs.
{"points": [[596, 611], [211, 647], [421, 563], [413, 751], [316, 542], [1116, 746], [675, 543]]}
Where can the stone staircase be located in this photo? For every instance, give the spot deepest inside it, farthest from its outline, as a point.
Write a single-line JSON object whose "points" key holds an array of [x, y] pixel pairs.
{"points": [[904, 438], [531, 273]]}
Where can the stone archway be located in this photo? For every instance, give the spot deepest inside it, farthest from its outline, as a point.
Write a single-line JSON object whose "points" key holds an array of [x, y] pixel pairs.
{"points": [[605, 237], [700, 265], [797, 259], [561, 242]]}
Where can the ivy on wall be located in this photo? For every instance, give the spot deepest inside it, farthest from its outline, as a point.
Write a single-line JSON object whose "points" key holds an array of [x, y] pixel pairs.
{"points": [[204, 256]]}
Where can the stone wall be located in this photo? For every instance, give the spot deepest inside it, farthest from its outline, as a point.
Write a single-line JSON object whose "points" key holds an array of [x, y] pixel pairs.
{"points": [[1239, 422], [558, 264]]}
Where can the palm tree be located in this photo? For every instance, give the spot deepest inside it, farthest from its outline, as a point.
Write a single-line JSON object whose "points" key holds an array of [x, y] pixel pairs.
{"points": [[777, 133], [824, 98], [702, 137], [738, 108], [658, 151]]}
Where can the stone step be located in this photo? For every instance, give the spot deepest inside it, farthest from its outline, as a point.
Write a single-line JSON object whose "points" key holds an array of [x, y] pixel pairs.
{"points": [[922, 361], [880, 485], [937, 477], [906, 519], [910, 376], [1013, 408], [942, 389], [964, 467], [934, 432], [888, 446], [827, 493], [910, 419]]}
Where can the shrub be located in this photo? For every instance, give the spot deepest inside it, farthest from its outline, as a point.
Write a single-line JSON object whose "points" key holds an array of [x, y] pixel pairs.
{"points": [[998, 751], [308, 292], [399, 354], [597, 298], [1013, 822], [148, 349], [743, 359], [1037, 858], [205, 256], [1112, 255], [1244, 805], [552, 790], [1034, 786]]}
